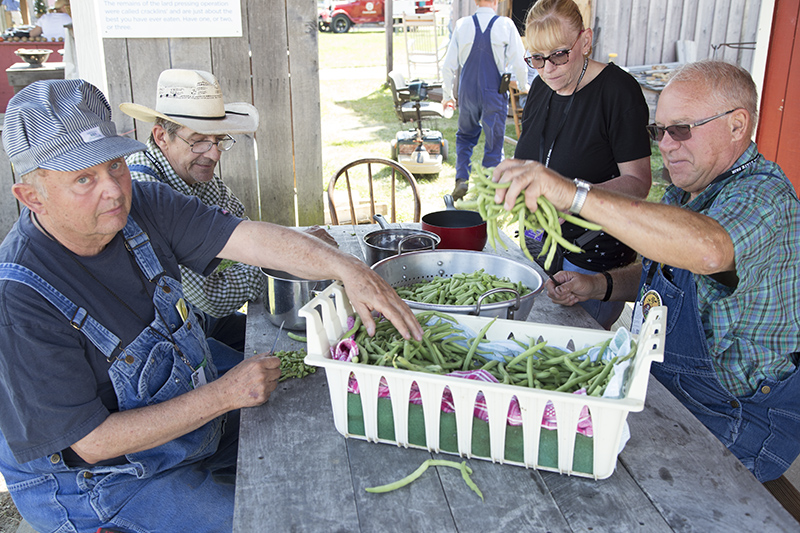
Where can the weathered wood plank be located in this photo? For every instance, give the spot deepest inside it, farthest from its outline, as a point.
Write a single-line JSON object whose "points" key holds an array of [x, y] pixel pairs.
{"points": [[230, 58], [148, 58], [192, 54], [672, 30], [637, 39], [704, 27], [303, 38], [671, 447], [272, 96], [118, 77], [655, 34]]}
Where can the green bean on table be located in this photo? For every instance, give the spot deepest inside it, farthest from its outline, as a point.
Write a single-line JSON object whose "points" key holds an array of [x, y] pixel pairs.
{"points": [[545, 217]]}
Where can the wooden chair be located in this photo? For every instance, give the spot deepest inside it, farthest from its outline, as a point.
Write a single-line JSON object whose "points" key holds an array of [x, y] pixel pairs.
{"points": [[516, 109], [367, 168]]}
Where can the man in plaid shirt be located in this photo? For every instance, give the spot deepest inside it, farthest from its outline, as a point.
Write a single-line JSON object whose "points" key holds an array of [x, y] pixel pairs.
{"points": [[721, 253], [192, 127]]}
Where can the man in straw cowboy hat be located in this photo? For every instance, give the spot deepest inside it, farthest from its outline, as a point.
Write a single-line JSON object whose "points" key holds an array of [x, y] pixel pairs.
{"points": [[192, 126], [112, 411]]}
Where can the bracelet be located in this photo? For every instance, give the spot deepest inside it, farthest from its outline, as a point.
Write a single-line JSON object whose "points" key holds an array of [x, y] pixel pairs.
{"points": [[609, 286]]}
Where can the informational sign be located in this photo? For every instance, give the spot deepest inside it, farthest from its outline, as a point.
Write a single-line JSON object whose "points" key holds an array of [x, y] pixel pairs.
{"points": [[170, 18]]}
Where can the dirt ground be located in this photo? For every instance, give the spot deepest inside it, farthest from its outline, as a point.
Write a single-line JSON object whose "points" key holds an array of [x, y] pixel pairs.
{"points": [[9, 517]]}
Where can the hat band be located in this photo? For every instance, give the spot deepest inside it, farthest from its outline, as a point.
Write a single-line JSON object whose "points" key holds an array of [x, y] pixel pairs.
{"points": [[196, 117]]}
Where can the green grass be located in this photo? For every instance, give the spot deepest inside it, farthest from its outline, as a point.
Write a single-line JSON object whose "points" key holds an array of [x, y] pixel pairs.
{"points": [[358, 118]]}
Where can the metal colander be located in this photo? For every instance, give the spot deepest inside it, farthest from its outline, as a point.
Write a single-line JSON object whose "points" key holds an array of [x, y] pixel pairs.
{"points": [[415, 267]]}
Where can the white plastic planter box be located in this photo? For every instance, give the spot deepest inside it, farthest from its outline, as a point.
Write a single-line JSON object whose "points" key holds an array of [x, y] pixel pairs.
{"points": [[326, 321]]}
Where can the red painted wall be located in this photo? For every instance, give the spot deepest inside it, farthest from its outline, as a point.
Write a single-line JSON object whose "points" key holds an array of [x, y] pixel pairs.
{"points": [[778, 134]]}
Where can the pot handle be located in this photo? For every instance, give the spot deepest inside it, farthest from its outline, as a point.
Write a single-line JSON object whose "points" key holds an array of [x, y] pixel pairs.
{"points": [[380, 220], [449, 202], [415, 236], [509, 311]]}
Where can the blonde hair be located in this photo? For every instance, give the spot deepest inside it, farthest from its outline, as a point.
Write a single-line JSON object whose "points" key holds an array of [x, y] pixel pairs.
{"points": [[728, 86], [551, 23]]}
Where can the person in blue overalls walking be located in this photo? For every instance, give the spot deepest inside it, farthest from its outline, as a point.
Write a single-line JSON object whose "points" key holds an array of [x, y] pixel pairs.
{"points": [[113, 410], [720, 252], [484, 45]]}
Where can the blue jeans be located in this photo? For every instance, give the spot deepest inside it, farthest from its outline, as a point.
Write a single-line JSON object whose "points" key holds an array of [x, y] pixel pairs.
{"points": [[606, 313], [197, 497]]}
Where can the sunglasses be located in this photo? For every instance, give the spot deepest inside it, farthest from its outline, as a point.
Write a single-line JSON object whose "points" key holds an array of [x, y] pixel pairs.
{"points": [[680, 132], [559, 57]]}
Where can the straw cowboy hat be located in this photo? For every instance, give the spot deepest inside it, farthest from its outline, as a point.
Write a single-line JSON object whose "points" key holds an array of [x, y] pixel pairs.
{"points": [[193, 98]]}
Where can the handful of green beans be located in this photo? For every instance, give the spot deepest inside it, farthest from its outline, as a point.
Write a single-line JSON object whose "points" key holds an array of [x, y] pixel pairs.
{"points": [[293, 364], [462, 289], [444, 348], [546, 217]]}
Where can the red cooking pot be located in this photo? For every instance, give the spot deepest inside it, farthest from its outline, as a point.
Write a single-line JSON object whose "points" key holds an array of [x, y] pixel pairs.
{"points": [[458, 229]]}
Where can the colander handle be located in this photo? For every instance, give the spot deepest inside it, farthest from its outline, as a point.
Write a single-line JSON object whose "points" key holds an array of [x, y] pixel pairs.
{"points": [[415, 236], [509, 312]]}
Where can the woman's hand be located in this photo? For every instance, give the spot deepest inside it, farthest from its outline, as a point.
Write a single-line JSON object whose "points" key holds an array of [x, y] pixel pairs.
{"points": [[569, 288]]}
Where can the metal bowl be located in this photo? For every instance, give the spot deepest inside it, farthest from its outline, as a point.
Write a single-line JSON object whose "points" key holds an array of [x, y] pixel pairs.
{"points": [[286, 294], [33, 57], [415, 267]]}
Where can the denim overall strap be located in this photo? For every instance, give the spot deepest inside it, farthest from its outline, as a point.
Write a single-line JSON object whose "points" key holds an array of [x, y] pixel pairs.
{"points": [[760, 429], [78, 317], [138, 242], [480, 106]]}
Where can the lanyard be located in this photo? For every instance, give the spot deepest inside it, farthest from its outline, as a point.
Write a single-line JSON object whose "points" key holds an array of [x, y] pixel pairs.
{"points": [[542, 157]]}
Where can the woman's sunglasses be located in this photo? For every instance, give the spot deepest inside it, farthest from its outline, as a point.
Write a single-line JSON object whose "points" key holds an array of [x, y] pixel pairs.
{"points": [[680, 132], [559, 57]]}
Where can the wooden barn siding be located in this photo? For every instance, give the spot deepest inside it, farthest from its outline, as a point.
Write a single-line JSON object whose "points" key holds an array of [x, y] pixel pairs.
{"points": [[644, 32], [286, 150]]}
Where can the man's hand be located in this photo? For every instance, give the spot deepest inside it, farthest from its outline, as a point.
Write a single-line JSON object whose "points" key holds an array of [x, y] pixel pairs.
{"points": [[251, 382], [321, 234], [569, 288], [369, 292], [532, 179]]}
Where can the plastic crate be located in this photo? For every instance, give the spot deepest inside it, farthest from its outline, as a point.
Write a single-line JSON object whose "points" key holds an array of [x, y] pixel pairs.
{"points": [[326, 320]]}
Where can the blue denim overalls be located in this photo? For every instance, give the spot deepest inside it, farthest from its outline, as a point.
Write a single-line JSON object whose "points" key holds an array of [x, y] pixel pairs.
{"points": [[479, 104], [760, 429], [162, 489]]}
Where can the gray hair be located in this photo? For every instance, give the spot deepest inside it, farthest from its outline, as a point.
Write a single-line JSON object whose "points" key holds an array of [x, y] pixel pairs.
{"points": [[728, 85], [170, 127], [34, 178]]}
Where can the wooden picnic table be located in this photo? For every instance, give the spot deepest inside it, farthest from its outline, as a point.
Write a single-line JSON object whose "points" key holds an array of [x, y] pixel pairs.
{"points": [[297, 473]]}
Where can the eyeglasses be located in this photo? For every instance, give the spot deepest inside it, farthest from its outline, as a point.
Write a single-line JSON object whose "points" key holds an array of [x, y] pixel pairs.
{"points": [[201, 147], [680, 132], [559, 57]]}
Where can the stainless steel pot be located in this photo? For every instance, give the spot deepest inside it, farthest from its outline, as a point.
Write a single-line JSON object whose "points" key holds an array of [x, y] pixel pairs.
{"points": [[416, 267], [387, 242], [286, 294]]}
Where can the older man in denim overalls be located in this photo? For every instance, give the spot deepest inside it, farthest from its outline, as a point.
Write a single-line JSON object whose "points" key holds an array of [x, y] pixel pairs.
{"points": [[112, 411]]}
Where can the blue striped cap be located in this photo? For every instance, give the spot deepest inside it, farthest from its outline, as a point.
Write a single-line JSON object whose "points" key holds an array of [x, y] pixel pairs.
{"points": [[62, 125]]}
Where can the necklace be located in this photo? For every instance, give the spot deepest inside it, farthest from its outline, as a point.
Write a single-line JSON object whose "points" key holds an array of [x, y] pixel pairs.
{"points": [[542, 158]]}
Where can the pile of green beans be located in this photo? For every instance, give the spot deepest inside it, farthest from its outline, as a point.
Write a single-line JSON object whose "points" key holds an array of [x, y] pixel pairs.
{"points": [[293, 365], [462, 289], [537, 366], [546, 217]]}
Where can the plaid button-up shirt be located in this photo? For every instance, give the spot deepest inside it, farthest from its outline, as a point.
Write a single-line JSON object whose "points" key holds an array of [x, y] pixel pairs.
{"points": [[230, 285], [753, 331]]}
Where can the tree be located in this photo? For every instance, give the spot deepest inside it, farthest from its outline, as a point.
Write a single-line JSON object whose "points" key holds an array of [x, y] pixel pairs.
{"points": [[40, 7]]}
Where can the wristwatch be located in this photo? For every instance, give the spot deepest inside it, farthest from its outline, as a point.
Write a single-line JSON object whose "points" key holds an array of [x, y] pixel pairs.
{"points": [[580, 195]]}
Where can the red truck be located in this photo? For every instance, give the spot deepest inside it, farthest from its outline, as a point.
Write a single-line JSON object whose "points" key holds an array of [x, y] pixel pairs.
{"points": [[340, 16]]}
